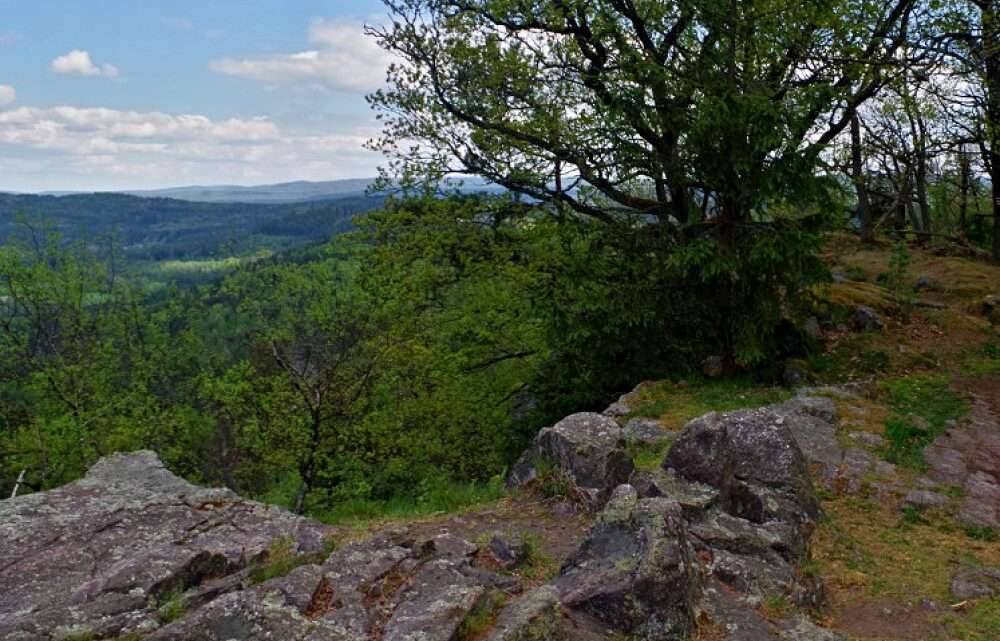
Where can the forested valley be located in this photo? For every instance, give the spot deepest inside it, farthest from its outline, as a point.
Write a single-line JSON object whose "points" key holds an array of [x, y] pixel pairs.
{"points": [[671, 175]]}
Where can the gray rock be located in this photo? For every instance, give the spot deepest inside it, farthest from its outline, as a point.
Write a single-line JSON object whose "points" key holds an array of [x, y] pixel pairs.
{"points": [[752, 458], [801, 628], [506, 551], [625, 403], [587, 448], [869, 439], [976, 583], [925, 499], [693, 497], [925, 283], [644, 431], [981, 503], [533, 617], [866, 319], [636, 571], [98, 552], [434, 604]]}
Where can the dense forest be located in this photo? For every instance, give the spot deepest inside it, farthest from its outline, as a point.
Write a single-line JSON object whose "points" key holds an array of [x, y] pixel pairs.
{"points": [[670, 173], [166, 228]]}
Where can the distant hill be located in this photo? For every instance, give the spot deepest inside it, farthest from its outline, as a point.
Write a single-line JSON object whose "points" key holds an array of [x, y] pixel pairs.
{"points": [[291, 192], [160, 228]]}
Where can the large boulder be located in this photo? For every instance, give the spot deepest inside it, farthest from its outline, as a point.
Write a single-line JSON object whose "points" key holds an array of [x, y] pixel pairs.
{"points": [[95, 557], [585, 449], [752, 458], [636, 571]]}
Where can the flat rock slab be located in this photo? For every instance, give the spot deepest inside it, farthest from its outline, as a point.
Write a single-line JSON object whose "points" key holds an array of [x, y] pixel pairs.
{"points": [[968, 456]]}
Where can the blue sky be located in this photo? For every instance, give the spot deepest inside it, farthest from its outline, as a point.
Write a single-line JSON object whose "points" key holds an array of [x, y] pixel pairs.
{"points": [[126, 94]]}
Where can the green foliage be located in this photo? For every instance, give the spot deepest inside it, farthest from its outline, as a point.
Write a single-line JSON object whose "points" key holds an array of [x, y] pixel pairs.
{"points": [[281, 558], [922, 407], [171, 607], [448, 496], [482, 617], [981, 533]]}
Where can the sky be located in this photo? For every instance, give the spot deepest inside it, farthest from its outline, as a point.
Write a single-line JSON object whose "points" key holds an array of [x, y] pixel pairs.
{"points": [[122, 94]]}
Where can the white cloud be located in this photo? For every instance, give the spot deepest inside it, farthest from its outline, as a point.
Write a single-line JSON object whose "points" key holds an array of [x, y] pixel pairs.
{"points": [[343, 59], [69, 147], [79, 62], [7, 95]]}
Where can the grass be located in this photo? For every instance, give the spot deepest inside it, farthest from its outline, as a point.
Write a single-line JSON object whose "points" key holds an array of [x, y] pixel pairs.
{"points": [[172, 608], [922, 406], [443, 497], [648, 456], [674, 404], [481, 618], [863, 546], [980, 624], [984, 361], [281, 559]]}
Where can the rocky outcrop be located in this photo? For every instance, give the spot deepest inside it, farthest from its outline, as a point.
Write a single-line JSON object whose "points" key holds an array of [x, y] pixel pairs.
{"points": [[97, 556], [132, 549], [586, 449], [718, 529]]}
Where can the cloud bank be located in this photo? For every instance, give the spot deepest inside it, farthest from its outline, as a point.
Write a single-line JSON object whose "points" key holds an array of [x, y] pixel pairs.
{"points": [[342, 59], [79, 62], [101, 148], [7, 95]]}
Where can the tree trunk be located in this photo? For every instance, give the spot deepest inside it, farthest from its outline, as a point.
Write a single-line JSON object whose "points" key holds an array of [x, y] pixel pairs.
{"points": [[857, 171], [991, 54], [965, 174], [922, 200]]}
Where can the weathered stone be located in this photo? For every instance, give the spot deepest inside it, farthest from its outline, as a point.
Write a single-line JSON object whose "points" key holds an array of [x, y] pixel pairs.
{"points": [[644, 431], [587, 448], [869, 439], [506, 551], [635, 571], [752, 458], [866, 319], [801, 628], [968, 456], [434, 604], [976, 583], [693, 497], [533, 617], [97, 552], [625, 403], [736, 620], [923, 499]]}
